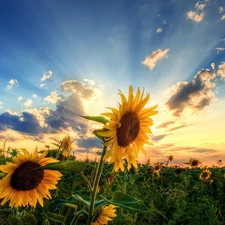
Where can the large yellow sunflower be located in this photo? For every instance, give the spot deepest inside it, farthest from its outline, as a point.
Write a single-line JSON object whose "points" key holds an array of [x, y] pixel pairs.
{"points": [[105, 215], [23, 185], [128, 128]]}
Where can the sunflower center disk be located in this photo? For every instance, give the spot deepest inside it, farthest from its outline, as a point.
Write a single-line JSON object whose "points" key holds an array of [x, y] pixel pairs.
{"points": [[25, 178], [129, 129]]}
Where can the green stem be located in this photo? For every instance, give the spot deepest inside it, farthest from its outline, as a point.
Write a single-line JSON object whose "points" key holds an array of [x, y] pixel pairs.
{"points": [[96, 184], [87, 182]]}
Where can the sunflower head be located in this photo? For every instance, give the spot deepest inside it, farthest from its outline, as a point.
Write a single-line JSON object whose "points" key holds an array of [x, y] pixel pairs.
{"points": [[128, 128], [24, 185], [66, 146], [104, 215], [157, 168], [194, 163], [170, 158], [205, 175]]}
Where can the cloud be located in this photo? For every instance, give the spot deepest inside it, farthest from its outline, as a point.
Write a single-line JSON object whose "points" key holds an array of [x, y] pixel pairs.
{"points": [[12, 82], [89, 143], [221, 70], [0, 104], [42, 85], [77, 87], [197, 15], [54, 98], [26, 123], [47, 76], [159, 30], [156, 138], [34, 96], [28, 103], [178, 127], [223, 17], [165, 124], [151, 60], [220, 9], [20, 98], [194, 95], [220, 49]]}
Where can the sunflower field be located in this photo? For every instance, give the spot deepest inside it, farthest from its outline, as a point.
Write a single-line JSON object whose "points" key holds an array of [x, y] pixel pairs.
{"points": [[154, 194], [51, 187]]}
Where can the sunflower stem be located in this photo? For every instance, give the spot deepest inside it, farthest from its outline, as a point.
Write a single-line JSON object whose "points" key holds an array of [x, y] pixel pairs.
{"points": [[96, 185]]}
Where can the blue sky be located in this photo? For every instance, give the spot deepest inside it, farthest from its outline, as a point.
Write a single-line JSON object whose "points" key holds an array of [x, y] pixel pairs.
{"points": [[63, 58]]}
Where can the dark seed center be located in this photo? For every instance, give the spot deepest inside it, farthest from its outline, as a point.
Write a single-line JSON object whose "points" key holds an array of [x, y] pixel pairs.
{"points": [[25, 177], [129, 129]]}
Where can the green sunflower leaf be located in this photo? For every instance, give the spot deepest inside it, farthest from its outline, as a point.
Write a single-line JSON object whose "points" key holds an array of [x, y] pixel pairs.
{"points": [[123, 200], [71, 166], [71, 205], [100, 119]]}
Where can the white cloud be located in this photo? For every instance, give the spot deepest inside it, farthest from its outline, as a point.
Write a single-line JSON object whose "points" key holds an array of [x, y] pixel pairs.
{"points": [[20, 98], [199, 6], [220, 49], [34, 96], [223, 17], [42, 85], [221, 70], [195, 16], [28, 103], [159, 30], [213, 65], [0, 104], [220, 9], [151, 60], [53, 98], [12, 82], [46, 76]]}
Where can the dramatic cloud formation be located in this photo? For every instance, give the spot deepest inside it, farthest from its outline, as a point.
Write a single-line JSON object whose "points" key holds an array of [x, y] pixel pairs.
{"points": [[198, 14], [194, 95], [77, 87], [12, 82], [53, 98], [151, 60]]}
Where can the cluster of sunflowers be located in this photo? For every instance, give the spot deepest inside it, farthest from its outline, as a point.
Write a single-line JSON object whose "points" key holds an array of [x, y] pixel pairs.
{"points": [[125, 132]]}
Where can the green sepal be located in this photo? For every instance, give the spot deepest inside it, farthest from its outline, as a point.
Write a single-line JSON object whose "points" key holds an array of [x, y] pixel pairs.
{"points": [[126, 201], [55, 217], [100, 119], [95, 132], [70, 166]]}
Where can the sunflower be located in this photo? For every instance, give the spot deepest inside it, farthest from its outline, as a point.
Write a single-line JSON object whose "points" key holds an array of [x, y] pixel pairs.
{"points": [[66, 145], [170, 158], [105, 215], [157, 168], [25, 186], [205, 175], [126, 131], [194, 163]]}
